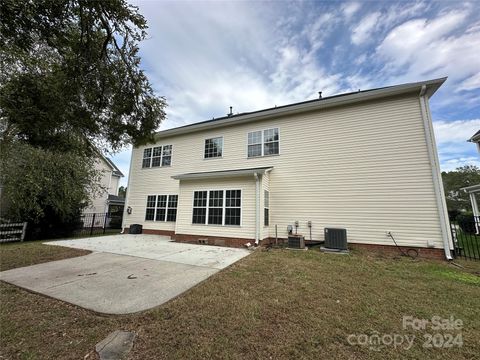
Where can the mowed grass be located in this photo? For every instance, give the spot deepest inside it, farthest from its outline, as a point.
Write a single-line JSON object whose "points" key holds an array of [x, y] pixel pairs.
{"points": [[275, 304], [13, 255]]}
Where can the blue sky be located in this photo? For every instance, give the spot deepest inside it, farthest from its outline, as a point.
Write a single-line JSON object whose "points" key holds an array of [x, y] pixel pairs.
{"points": [[206, 56]]}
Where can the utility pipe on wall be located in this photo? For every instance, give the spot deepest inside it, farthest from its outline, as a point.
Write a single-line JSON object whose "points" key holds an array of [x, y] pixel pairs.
{"points": [[257, 208]]}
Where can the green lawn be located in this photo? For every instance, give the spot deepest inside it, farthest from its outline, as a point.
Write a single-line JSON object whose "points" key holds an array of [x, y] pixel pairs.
{"points": [[275, 304]]}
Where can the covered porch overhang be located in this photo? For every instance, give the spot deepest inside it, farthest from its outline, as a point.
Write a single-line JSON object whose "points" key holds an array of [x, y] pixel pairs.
{"points": [[224, 173], [472, 191], [247, 173]]}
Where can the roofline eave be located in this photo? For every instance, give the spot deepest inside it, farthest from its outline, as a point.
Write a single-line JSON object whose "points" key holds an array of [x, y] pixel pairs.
{"points": [[432, 87]]}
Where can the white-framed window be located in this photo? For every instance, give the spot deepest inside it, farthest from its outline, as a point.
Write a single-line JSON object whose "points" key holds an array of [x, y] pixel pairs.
{"points": [[157, 156], [263, 142], [147, 157], [213, 148], [200, 207], [161, 208], [217, 207], [172, 208], [167, 155], [150, 212], [233, 207], [266, 208]]}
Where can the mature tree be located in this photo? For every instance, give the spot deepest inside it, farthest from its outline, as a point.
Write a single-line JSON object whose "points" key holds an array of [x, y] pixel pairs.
{"points": [[453, 181], [70, 83], [45, 188], [71, 75]]}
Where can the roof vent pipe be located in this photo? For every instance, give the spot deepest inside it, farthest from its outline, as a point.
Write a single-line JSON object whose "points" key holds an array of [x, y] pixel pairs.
{"points": [[319, 94], [231, 111]]}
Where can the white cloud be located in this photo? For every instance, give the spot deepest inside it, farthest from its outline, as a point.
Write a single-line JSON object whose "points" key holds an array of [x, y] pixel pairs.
{"points": [[349, 9], [453, 149], [471, 83], [422, 47], [361, 33], [458, 131], [452, 164]]}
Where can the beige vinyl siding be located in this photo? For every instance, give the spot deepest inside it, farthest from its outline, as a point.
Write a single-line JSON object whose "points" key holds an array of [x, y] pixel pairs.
{"points": [[185, 207], [364, 167]]}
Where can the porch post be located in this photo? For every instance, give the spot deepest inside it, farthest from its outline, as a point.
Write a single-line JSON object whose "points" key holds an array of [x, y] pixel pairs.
{"points": [[476, 213]]}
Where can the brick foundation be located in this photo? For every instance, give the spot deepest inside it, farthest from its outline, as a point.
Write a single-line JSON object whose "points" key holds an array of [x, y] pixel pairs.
{"points": [[391, 250], [212, 240], [388, 250]]}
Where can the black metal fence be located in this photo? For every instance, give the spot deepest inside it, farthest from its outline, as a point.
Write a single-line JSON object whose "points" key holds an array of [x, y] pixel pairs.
{"points": [[466, 236], [98, 224]]}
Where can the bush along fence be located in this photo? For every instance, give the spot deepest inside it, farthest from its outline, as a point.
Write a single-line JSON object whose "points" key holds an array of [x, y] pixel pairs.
{"points": [[466, 236], [91, 224]]}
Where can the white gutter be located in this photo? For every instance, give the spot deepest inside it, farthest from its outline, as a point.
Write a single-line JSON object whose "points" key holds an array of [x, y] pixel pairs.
{"points": [[257, 208], [436, 175]]}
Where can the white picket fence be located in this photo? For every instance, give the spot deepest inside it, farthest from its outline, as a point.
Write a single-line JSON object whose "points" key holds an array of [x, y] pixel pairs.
{"points": [[12, 232]]}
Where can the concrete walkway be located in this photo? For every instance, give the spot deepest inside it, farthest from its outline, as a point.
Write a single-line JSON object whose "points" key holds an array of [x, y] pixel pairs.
{"points": [[125, 273]]}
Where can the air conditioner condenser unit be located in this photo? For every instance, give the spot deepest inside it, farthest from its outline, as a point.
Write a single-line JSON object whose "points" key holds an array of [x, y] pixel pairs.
{"points": [[335, 239]]}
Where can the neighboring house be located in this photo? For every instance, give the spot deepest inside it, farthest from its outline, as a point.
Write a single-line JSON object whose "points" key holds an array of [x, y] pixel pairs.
{"points": [[364, 161], [108, 200], [476, 139], [474, 189]]}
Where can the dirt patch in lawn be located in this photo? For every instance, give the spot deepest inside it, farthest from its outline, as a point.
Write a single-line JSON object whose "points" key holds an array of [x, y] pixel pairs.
{"points": [[274, 304]]}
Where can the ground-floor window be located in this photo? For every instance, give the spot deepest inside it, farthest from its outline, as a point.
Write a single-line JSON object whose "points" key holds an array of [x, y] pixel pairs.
{"points": [[217, 207], [266, 208], [161, 207]]}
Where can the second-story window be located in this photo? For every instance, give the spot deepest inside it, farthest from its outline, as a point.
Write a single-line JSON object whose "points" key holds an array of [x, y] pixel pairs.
{"points": [[157, 156], [263, 143], [213, 148], [147, 157], [167, 155]]}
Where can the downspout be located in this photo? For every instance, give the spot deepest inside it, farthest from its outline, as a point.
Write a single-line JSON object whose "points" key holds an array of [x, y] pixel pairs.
{"points": [[125, 207], [257, 208], [436, 175]]}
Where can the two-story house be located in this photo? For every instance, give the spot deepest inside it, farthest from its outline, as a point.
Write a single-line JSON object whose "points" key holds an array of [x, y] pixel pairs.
{"points": [[107, 200], [364, 161], [476, 140]]}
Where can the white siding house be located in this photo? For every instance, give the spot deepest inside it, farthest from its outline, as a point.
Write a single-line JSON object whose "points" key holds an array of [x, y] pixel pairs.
{"points": [[110, 180], [363, 161], [474, 190]]}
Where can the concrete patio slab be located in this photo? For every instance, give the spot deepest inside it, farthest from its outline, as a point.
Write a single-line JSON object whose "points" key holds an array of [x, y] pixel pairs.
{"points": [[158, 247], [146, 272]]}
